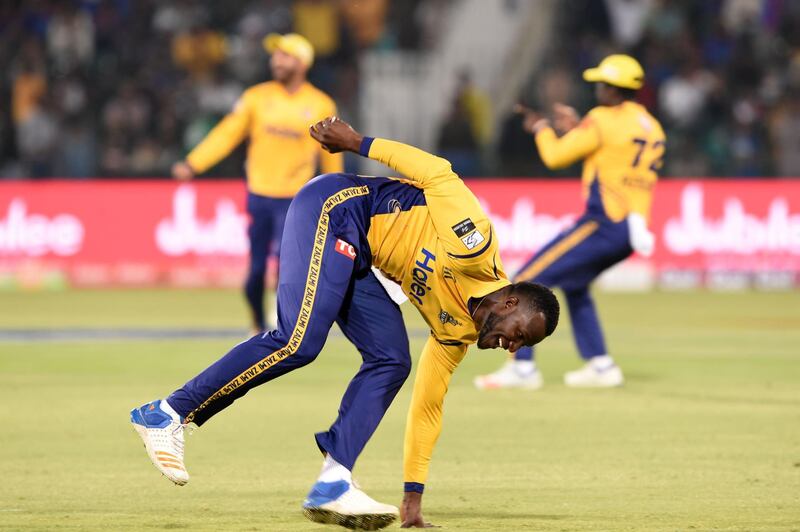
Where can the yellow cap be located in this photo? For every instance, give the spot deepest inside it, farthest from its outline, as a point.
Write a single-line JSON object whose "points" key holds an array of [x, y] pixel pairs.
{"points": [[618, 70], [293, 44]]}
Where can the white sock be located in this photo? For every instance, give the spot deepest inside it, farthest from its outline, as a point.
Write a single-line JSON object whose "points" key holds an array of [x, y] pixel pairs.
{"points": [[524, 367], [602, 362], [169, 410], [333, 471]]}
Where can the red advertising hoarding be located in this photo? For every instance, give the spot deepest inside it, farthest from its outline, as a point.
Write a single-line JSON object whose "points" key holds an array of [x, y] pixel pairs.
{"points": [[162, 232]]}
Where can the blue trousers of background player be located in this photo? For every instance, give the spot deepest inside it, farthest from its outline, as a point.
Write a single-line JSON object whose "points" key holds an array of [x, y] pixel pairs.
{"points": [[571, 262], [318, 286], [267, 218]]}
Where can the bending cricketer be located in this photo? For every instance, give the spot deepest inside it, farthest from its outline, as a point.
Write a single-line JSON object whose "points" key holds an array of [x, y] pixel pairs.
{"points": [[622, 146], [428, 233], [281, 157]]}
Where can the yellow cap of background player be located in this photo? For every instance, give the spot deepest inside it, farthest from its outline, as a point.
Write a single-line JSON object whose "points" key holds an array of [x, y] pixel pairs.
{"points": [[293, 44], [618, 70]]}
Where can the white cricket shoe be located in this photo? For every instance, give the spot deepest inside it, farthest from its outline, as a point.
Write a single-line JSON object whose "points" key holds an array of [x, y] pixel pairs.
{"points": [[513, 374], [162, 433], [341, 503], [595, 375]]}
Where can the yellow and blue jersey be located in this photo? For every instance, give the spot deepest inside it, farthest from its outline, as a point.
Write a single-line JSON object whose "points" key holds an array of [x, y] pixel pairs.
{"points": [[434, 239], [442, 249], [427, 232], [281, 157], [621, 147]]}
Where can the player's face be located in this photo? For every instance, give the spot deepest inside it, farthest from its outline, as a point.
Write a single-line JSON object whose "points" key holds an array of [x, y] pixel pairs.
{"points": [[511, 328], [604, 93], [284, 66]]}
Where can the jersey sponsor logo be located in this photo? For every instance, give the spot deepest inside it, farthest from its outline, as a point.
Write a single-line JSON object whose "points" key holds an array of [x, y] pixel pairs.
{"points": [[446, 318], [447, 273], [468, 233], [284, 132], [463, 228], [395, 206], [419, 286], [472, 240], [345, 249]]}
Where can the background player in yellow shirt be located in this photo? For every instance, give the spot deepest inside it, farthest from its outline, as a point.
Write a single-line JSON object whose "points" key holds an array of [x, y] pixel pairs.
{"points": [[622, 146], [281, 157]]}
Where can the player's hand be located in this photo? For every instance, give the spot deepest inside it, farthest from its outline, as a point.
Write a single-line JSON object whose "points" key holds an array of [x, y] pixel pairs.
{"points": [[564, 118], [411, 511], [532, 122], [182, 171], [335, 135], [641, 239]]}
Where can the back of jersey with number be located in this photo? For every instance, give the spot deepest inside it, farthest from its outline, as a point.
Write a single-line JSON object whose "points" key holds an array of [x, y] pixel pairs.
{"points": [[627, 162]]}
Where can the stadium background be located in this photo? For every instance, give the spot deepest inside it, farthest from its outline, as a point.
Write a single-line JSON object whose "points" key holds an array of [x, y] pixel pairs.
{"points": [[99, 98], [119, 90]]}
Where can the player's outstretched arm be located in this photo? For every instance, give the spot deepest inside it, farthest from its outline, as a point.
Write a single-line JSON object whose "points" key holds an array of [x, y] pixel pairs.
{"points": [[182, 171], [456, 213], [219, 143], [580, 140], [424, 424], [427, 170]]}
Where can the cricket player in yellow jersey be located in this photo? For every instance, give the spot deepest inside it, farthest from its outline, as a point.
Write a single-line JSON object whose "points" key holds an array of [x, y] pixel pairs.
{"points": [[426, 232], [281, 158], [622, 146]]}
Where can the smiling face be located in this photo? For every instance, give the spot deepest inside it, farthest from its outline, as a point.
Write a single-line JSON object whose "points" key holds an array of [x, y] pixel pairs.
{"points": [[511, 329], [518, 315]]}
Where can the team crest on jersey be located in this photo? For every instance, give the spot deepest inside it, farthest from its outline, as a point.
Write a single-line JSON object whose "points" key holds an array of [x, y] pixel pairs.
{"points": [[468, 233], [472, 240], [446, 318]]}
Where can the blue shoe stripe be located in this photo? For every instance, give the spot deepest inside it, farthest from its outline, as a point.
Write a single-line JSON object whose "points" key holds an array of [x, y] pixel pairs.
{"points": [[151, 416], [325, 492]]}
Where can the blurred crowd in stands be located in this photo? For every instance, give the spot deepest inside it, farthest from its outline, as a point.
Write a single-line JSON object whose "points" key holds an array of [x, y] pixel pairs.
{"points": [[126, 87], [723, 76]]}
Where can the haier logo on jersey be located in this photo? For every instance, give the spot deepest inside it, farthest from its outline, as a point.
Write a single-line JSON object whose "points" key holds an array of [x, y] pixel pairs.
{"points": [[424, 268], [345, 249]]}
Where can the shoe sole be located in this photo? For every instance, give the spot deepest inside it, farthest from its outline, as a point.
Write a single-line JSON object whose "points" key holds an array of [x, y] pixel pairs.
{"points": [[142, 432], [353, 522]]}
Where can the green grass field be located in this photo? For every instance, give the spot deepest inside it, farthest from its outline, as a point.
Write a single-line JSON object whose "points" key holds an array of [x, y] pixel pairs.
{"points": [[704, 436]]}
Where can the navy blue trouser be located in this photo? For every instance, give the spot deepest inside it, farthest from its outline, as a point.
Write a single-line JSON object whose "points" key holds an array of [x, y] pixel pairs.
{"points": [[571, 261], [267, 218], [319, 285]]}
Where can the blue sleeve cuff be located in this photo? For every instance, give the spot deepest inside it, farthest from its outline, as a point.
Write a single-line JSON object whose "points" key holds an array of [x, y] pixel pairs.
{"points": [[414, 486], [366, 144]]}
